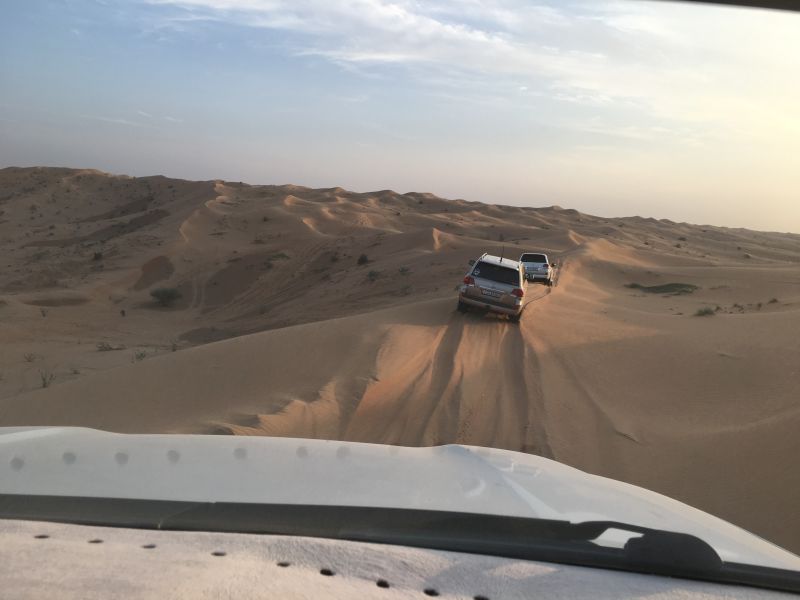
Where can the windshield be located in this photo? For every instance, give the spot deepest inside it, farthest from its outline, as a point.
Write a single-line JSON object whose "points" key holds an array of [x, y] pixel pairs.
{"points": [[534, 258], [239, 219]]}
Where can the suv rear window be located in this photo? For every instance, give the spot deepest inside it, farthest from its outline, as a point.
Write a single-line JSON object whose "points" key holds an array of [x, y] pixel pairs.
{"points": [[497, 273], [535, 258]]}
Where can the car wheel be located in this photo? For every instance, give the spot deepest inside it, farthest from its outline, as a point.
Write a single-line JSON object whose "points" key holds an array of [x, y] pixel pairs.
{"points": [[462, 307], [515, 318]]}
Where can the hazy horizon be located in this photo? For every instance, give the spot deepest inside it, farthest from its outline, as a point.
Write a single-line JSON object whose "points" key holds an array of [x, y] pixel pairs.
{"points": [[614, 108], [400, 191]]}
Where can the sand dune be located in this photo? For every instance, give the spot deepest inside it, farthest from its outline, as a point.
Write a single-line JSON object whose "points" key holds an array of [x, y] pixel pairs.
{"points": [[282, 330]]}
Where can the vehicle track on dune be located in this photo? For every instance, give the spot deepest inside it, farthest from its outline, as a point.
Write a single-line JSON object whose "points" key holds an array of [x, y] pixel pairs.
{"points": [[444, 380], [472, 380], [531, 403], [411, 365], [486, 389]]}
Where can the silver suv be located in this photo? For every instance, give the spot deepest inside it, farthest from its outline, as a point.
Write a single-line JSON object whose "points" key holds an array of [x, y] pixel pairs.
{"points": [[496, 284]]}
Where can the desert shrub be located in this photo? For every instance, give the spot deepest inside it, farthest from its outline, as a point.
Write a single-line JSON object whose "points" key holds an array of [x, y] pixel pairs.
{"points": [[97, 256], [706, 311], [373, 275], [30, 357], [682, 238], [165, 296], [139, 355], [363, 259], [404, 270], [674, 289], [46, 377], [773, 301]]}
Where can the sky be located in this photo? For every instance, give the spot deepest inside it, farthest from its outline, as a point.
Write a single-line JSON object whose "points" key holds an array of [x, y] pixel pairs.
{"points": [[615, 108]]}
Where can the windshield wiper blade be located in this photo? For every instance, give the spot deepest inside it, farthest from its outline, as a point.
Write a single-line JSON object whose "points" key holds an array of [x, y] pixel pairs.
{"points": [[658, 551], [651, 551]]}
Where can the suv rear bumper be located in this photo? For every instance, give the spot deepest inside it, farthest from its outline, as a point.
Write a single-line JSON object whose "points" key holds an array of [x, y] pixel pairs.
{"points": [[491, 305]]}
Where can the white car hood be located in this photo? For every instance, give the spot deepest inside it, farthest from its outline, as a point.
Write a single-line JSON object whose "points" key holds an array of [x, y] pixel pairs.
{"points": [[67, 461]]}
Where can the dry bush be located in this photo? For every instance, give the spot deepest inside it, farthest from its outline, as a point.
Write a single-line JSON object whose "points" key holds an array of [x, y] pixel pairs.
{"points": [[165, 296]]}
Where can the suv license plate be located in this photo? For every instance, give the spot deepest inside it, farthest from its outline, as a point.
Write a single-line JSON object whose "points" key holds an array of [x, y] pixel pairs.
{"points": [[492, 293]]}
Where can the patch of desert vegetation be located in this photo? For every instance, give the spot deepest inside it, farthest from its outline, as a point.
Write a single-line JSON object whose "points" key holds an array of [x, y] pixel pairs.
{"points": [[670, 289], [166, 296]]}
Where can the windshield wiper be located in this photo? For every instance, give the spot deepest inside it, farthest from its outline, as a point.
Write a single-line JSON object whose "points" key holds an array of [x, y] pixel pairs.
{"points": [[649, 551]]}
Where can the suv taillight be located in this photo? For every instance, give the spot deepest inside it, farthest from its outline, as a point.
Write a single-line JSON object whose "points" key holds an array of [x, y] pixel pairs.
{"points": [[469, 280], [518, 293]]}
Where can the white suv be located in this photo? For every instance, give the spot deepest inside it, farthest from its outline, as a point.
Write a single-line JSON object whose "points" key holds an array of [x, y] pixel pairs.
{"points": [[537, 267]]}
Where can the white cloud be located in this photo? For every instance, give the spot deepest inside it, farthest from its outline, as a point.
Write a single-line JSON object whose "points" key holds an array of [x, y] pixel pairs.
{"points": [[608, 45], [114, 120], [665, 62]]}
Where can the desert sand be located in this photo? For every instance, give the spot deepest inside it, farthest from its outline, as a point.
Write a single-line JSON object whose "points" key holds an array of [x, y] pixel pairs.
{"points": [[281, 331]]}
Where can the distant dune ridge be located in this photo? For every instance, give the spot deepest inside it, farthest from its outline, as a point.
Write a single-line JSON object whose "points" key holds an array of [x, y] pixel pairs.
{"points": [[281, 329]]}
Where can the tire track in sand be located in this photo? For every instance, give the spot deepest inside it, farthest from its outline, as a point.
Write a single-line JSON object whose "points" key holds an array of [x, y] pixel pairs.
{"points": [[471, 380]]}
